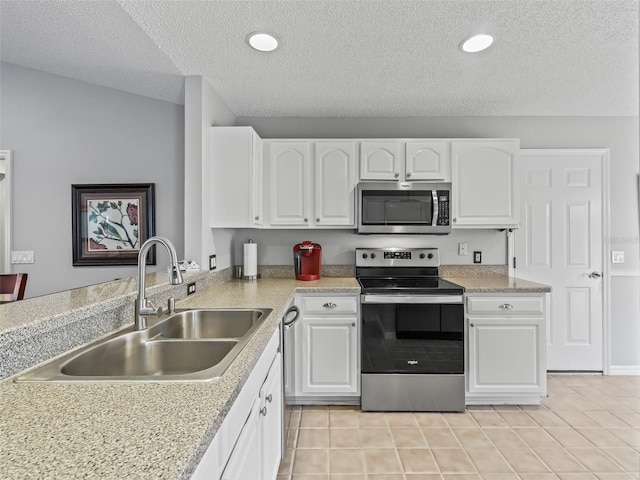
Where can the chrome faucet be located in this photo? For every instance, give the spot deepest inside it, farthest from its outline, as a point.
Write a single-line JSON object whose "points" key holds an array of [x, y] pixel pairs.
{"points": [[175, 278]]}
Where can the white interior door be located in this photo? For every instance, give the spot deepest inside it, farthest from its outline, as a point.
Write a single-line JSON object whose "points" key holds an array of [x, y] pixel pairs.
{"points": [[560, 244]]}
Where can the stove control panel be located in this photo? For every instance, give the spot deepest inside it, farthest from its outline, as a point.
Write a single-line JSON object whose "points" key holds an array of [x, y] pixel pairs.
{"points": [[397, 257], [392, 255]]}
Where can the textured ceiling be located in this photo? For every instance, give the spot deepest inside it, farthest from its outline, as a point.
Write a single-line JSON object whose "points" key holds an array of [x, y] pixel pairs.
{"points": [[351, 58]]}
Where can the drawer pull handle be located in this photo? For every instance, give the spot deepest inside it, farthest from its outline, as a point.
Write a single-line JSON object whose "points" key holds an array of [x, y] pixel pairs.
{"points": [[269, 398], [263, 411], [329, 305], [506, 306]]}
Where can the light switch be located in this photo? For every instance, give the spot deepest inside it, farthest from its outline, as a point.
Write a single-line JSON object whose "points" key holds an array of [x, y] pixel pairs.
{"points": [[462, 248], [22, 257], [617, 256]]}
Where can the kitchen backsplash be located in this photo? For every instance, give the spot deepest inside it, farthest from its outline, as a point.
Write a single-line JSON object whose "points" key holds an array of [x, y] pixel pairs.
{"points": [[275, 247]]}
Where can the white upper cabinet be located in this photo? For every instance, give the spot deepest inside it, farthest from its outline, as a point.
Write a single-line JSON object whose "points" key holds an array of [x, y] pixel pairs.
{"points": [[381, 160], [404, 160], [312, 183], [236, 178], [290, 184], [335, 181], [483, 183], [428, 160]]}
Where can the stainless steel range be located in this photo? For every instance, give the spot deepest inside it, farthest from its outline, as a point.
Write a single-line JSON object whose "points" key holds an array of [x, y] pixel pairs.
{"points": [[412, 332]]}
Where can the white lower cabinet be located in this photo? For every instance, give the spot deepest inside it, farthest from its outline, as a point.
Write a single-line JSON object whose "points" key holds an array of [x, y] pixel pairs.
{"points": [[329, 356], [270, 422], [506, 349], [327, 349], [248, 444], [244, 461]]}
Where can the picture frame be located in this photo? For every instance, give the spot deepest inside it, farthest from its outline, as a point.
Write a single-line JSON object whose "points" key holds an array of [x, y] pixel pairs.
{"points": [[110, 222]]}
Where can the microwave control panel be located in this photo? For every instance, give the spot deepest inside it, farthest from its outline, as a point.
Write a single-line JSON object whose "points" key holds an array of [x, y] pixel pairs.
{"points": [[443, 207]]}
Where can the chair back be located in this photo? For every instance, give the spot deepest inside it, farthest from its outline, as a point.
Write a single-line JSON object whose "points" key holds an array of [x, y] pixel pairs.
{"points": [[12, 287]]}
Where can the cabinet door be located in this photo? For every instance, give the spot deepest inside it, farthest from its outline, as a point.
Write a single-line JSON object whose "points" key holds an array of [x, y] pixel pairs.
{"points": [[289, 169], [483, 183], [428, 160], [506, 355], [335, 183], [329, 355], [257, 179], [381, 160], [236, 177], [271, 420], [246, 458]]}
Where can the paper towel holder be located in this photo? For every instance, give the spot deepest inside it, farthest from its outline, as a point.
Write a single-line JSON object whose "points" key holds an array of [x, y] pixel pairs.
{"points": [[249, 277]]}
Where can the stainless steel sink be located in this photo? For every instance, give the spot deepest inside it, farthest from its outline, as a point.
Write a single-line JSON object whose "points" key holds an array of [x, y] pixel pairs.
{"points": [[188, 345], [199, 324]]}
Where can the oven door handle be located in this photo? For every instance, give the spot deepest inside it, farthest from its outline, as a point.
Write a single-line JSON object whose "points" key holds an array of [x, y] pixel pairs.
{"points": [[411, 299]]}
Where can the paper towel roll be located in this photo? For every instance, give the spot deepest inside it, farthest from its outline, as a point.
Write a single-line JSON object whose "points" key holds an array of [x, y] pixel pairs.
{"points": [[250, 260]]}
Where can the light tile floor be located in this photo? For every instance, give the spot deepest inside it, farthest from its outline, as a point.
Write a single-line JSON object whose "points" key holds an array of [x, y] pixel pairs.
{"points": [[587, 428]]}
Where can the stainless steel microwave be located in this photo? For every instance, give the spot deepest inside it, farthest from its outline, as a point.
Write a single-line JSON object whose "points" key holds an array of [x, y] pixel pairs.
{"points": [[404, 207]]}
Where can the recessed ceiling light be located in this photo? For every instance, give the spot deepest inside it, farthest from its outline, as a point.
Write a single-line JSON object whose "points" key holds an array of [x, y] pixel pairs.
{"points": [[477, 43], [262, 42]]}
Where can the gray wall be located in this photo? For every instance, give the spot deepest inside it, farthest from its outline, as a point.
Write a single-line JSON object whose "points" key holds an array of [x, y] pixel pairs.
{"points": [[65, 132]]}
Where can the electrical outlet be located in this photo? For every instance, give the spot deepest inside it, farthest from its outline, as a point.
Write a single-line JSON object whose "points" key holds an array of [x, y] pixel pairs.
{"points": [[477, 257], [212, 262], [191, 288], [462, 248]]}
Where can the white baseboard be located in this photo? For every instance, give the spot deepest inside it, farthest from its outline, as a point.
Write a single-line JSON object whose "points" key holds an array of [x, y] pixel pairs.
{"points": [[624, 370]]}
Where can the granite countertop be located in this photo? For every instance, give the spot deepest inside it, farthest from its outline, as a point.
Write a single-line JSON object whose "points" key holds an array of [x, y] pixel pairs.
{"points": [[498, 284], [138, 430]]}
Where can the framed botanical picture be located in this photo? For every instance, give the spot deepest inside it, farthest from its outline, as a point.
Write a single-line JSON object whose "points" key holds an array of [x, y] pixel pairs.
{"points": [[111, 222]]}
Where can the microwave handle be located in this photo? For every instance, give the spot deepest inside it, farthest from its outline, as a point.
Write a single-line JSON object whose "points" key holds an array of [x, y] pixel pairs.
{"points": [[434, 196]]}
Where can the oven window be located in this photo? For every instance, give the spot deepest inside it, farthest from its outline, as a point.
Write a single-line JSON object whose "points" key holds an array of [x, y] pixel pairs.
{"points": [[382, 207], [413, 338]]}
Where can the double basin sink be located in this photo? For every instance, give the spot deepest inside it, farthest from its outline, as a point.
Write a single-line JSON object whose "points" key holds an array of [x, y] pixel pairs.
{"points": [[188, 345]]}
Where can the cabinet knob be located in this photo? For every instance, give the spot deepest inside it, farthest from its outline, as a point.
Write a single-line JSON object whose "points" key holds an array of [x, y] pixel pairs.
{"points": [[329, 305], [455, 220], [257, 217], [408, 174], [353, 324], [506, 306], [263, 411], [396, 175], [472, 325], [317, 220], [306, 220], [269, 398]]}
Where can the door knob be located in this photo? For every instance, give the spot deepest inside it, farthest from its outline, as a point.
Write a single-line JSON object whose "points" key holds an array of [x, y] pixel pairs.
{"points": [[595, 275]]}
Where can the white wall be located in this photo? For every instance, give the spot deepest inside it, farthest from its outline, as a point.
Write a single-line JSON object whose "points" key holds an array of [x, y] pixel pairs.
{"points": [[63, 132], [203, 109]]}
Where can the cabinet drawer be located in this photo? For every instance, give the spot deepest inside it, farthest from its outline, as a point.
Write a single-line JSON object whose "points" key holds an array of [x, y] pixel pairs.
{"points": [[505, 305], [330, 305]]}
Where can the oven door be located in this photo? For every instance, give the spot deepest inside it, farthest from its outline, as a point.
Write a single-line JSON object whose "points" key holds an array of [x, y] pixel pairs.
{"points": [[421, 334], [412, 353]]}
